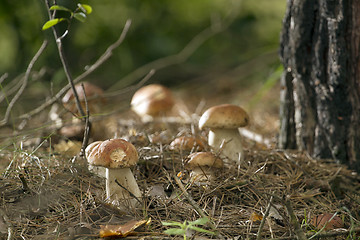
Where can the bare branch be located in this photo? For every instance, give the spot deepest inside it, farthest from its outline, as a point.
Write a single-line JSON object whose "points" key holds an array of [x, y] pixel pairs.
{"points": [[24, 84], [3, 77], [180, 57], [132, 88], [293, 220], [11, 88], [103, 58], [87, 125]]}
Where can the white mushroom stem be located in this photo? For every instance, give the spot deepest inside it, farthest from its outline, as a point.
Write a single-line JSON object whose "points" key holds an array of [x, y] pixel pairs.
{"points": [[98, 170], [201, 174], [229, 140], [117, 194]]}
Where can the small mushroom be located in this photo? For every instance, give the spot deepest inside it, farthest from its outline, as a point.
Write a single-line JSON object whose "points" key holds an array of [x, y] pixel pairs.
{"points": [[328, 220], [152, 101], [117, 156], [224, 121], [202, 166], [74, 127], [185, 143]]}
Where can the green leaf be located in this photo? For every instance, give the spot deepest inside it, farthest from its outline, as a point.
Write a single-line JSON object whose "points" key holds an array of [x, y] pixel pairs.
{"points": [[59, 8], [85, 8], [175, 231], [172, 224], [80, 16], [200, 221], [52, 23], [201, 230]]}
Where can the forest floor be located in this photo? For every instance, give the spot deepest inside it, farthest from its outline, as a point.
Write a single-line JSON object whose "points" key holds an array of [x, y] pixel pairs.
{"points": [[47, 191]]}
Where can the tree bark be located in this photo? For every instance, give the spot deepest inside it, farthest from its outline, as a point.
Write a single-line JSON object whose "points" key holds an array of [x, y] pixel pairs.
{"points": [[320, 94]]}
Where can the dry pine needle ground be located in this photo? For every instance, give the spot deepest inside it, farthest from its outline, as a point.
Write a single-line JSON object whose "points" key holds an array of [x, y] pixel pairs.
{"points": [[45, 194]]}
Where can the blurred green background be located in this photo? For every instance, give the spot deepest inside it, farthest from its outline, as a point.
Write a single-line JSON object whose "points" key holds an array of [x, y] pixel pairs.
{"points": [[159, 28]]}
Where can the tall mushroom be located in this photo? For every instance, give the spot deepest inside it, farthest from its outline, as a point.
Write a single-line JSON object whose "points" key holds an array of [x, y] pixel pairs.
{"points": [[151, 101], [202, 166], [224, 121], [117, 156]]}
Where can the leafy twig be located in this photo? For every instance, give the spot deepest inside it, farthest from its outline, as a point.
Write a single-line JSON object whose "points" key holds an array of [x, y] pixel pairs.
{"points": [[65, 63]]}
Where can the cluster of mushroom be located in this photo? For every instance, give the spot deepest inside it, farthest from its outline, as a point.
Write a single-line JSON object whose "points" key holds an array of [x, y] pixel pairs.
{"points": [[222, 120], [116, 156]]}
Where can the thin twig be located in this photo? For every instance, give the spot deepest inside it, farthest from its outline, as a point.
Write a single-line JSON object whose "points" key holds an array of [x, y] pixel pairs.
{"points": [[25, 186], [24, 84], [193, 203], [11, 87], [178, 58], [130, 193], [64, 62], [293, 220], [87, 124], [102, 59], [258, 237], [328, 235], [8, 223], [132, 88], [3, 77]]}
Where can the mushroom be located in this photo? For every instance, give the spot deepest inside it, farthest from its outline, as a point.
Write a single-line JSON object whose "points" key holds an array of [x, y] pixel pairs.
{"points": [[327, 220], [98, 170], [224, 121], [95, 100], [94, 97], [202, 166], [151, 101], [186, 144], [117, 156]]}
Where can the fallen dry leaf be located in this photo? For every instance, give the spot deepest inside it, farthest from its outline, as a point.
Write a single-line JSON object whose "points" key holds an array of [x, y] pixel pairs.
{"points": [[122, 230], [68, 148], [319, 221], [254, 217]]}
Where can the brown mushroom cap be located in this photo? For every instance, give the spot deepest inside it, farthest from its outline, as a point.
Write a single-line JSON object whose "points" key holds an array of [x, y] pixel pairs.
{"points": [[319, 221], [224, 116], [112, 153], [203, 159], [91, 91], [152, 100], [186, 143]]}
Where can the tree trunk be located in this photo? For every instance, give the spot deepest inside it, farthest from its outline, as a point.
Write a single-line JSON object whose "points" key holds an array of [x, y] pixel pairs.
{"points": [[320, 98]]}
